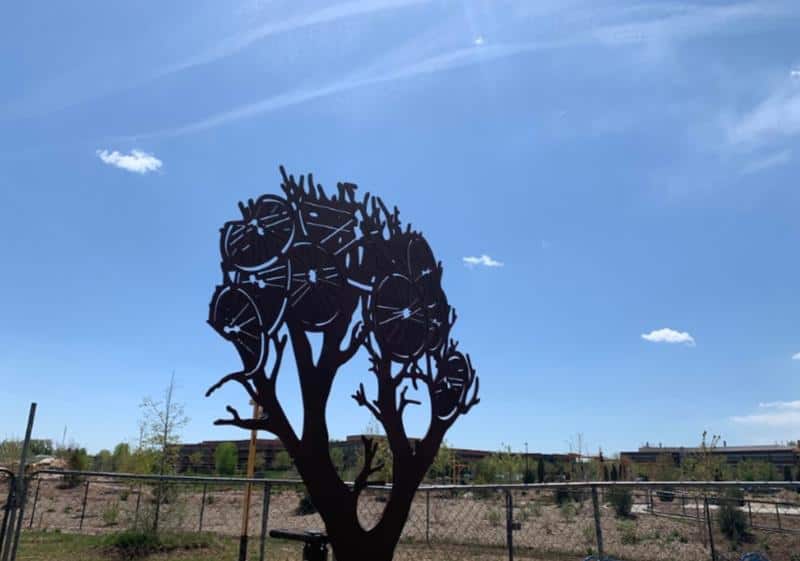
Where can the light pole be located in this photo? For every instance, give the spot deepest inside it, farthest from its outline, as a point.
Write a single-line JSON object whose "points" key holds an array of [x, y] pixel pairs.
{"points": [[527, 471]]}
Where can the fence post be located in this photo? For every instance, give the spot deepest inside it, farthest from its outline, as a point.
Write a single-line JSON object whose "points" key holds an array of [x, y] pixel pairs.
{"points": [[428, 517], [710, 531], [138, 502], [13, 529], [35, 500], [699, 521], [202, 507], [598, 529], [750, 513], [264, 519], [510, 525], [159, 493], [7, 509], [83, 508], [778, 516]]}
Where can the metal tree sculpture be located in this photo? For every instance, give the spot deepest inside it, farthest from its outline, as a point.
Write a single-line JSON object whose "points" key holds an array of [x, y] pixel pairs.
{"points": [[305, 263]]}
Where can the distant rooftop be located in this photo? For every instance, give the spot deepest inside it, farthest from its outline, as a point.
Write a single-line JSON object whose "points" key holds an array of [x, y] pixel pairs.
{"points": [[751, 448]]}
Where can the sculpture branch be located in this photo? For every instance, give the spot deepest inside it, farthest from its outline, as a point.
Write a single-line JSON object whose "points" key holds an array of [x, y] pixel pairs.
{"points": [[405, 401], [370, 449], [239, 377], [361, 398], [358, 336], [249, 424]]}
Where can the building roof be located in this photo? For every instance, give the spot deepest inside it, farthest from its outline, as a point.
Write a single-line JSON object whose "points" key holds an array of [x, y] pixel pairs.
{"points": [[732, 449]]}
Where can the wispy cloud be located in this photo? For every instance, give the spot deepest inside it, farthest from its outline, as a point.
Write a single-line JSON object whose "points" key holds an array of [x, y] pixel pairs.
{"points": [[670, 22], [777, 414], [767, 162], [438, 63], [137, 161], [670, 336], [235, 43], [796, 356], [482, 261], [777, 117]]}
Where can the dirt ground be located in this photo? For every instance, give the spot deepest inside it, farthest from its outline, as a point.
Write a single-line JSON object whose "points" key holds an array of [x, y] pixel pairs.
{"points": [[440, 525]]}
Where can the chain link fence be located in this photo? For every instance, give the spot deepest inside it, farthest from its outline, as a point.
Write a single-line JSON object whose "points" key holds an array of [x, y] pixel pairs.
{"points": [[626, 520]]}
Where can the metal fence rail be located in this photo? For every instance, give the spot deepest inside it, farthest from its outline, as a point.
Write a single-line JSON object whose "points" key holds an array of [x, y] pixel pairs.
{"points": [[562, 520]]}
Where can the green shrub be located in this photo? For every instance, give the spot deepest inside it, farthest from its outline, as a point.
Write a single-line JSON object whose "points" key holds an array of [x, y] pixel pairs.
{"points": [[666, 495], [622, 501], [226, 458], [305, 506], [493, 517], [561, 495], [134, 543], [732, 521]]}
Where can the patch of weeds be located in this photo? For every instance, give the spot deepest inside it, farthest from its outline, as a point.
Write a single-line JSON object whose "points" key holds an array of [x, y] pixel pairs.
{"points": [[568, 511], [676, 536], [588, 535], [627, 533], [111, 514], [493, 517]]}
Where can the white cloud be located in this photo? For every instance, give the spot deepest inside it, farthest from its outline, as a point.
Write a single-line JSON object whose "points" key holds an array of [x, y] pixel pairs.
{"points": [[778, 414], [479, 40], [667, 335], [781, 405], [137, 161], [795, 74], [771, 161], [796, 356], [484, 261]]}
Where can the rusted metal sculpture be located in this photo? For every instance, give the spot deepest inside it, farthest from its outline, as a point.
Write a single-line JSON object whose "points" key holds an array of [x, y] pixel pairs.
{"points": [[308, 262]]}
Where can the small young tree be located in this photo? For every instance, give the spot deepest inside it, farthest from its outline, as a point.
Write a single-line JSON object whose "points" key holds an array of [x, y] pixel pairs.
{"points": [[121, 457], [102, 461], [226, 458], [281, 461], [306, 263], [442, 466], [162, 421], [540, 470]]}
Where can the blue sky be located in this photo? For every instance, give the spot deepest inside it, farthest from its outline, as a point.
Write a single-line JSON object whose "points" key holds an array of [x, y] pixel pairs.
{"points": [[629, 170]]}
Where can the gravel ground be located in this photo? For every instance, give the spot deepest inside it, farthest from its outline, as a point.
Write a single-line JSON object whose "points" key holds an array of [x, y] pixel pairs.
{"points": [[459, 527]]}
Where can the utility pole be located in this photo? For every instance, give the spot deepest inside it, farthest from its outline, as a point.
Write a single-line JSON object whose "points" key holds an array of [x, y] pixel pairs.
{"points": [[251, 463]]}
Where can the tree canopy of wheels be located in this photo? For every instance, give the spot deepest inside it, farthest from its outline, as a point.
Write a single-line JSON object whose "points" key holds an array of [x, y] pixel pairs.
{"points": [[344, 267]]}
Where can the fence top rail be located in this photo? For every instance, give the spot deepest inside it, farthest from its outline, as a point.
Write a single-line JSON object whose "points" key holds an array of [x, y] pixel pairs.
{"points": [[166, 477], [625, 484], [501, 486]]}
